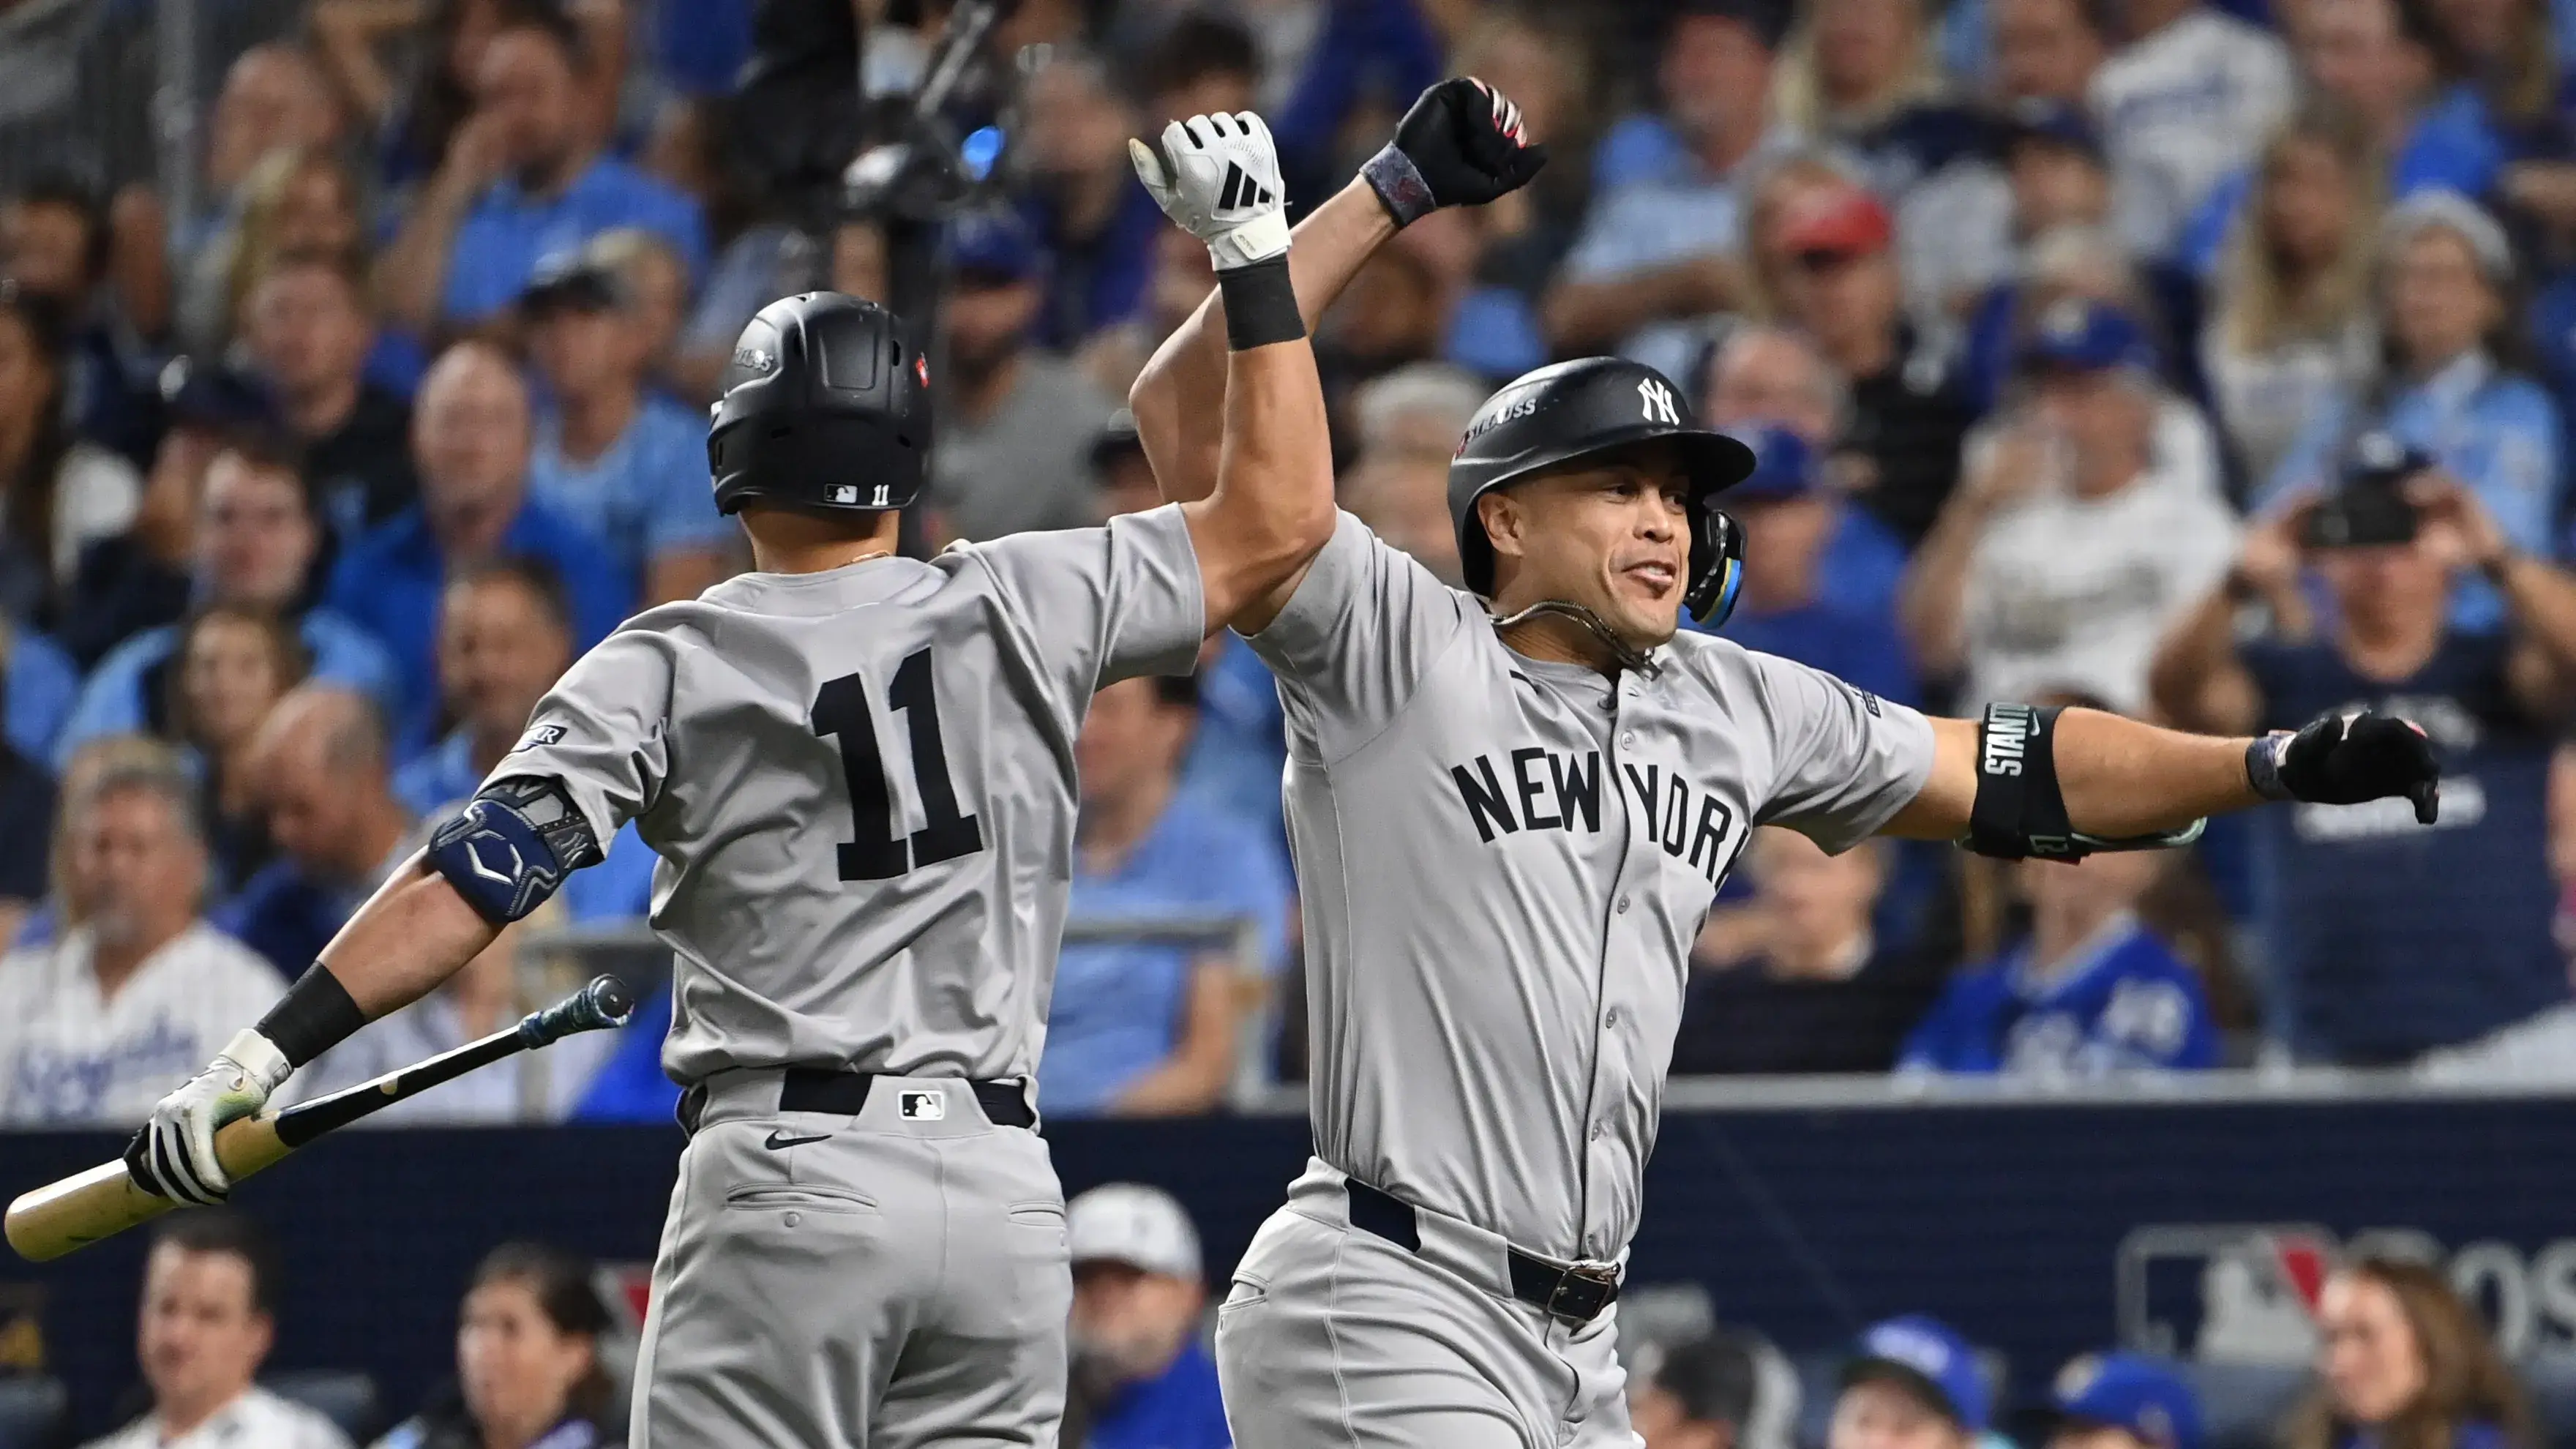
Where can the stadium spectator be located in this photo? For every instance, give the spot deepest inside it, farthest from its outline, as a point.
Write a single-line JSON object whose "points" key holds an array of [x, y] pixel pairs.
{"points": [[27, 803], [528, 1372], [521, 178], [308, 326], [1416, 411], [2448, 386], [2403, 1361], [2183, 103], [505, 636], [1141, 1376], [1544, 62], [57, 242], [2387, 937], [1181, 278], [1762, 376], [1149, 1028], [2072, 546], [97, 1022], [1404, 499], [2290, 330], [1017, 419], [230, 666], [303, 201], [1699, 1395], [2089, 992], [274, 98], [1907, 412], [62, 492], [626, 465], [1796, 602], [2122, 1401], [208, 1320], [1862, 75], [2505, 53], [2044, 51], [1095, 226], [415, 116], [470, 440], [1816, 989], [318, 769], [657, 281], [254, 542], [1914, 1384], [38, 685], [1662, 242]]}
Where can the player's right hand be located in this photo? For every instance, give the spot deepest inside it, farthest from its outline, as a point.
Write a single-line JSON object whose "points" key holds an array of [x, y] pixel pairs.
{"points": [[1218, 176], [2349, 757], [174, 1154], [1462, 144]]}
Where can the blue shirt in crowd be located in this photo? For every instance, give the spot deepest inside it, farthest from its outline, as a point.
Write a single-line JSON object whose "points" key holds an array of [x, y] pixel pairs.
{"points": [[2496, 431], [1180, 1408], [619, 887], [389, 581], [1854, 647], [2386, 937], [2125, 1003], [647, 493], [286, 915], [500, 242], [42, 685], [124, 694], [1120, 1005], [1654, 203], [1093, 282], [1240, 751]]}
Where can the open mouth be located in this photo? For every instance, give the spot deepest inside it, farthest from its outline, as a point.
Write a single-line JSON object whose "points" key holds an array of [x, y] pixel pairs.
{"points": [[1657, 575]]}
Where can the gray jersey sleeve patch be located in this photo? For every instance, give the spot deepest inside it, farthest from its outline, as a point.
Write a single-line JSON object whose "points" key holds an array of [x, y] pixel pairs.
{"points": [[1353, 644], [1847, 759], [1105, 604], [602, 730]]}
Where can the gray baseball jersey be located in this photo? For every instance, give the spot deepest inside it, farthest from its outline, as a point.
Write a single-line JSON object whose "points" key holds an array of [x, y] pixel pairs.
{"points": [[861, 786], [1503, 864]]}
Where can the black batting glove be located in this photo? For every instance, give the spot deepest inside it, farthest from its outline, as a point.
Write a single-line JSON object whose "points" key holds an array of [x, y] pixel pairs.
{"points": [[1460, 145], [2347, 758]]}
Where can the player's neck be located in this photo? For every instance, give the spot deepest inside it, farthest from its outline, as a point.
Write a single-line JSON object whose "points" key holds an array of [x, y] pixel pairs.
{"points": [[801, 543]]}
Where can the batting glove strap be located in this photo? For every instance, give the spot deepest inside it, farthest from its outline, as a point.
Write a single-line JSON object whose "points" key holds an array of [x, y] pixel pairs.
{"points": [[1262, 239], [259, 1059]]}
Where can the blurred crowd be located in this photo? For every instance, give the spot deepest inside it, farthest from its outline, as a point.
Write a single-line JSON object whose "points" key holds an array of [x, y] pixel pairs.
{"points": [[2202, 361]]}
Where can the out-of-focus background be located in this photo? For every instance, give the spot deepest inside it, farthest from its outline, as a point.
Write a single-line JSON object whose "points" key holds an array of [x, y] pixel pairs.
{"points": [[2201, 361]]}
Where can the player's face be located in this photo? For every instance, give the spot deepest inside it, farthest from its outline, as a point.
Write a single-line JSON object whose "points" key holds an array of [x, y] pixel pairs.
{"points": [[1614, 539], [517, 1369], [2366, 1349], [1876, 1414], [199, 1338]]}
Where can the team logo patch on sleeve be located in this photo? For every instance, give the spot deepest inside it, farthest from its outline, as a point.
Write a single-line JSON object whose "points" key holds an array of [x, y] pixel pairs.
{"points": [[544, 734]]}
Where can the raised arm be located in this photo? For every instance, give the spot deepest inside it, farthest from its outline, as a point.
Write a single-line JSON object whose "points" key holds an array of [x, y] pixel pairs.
{"points": [[1460, 144]]}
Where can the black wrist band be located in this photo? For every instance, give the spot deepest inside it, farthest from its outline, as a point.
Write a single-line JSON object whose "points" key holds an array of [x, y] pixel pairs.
{"points": [[2263, 765], [1399, 186], [1260, 305], [315, 1015]]}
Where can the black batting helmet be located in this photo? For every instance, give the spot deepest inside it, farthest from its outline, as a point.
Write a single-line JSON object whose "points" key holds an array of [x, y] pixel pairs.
{"points": [[1575, 411], [826, 406]]}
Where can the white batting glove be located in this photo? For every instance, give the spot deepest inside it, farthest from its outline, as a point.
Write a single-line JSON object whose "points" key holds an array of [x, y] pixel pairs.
{"points": [[174, 1154], [1218, 176]]}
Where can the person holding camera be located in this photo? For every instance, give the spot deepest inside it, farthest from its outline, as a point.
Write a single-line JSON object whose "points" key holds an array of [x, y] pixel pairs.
{"points": [[2389, 936]]}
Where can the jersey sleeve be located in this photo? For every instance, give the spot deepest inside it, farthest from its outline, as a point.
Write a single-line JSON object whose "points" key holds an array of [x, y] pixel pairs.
{"points": [[1352, 645], [1846, 760], [1104, 604], [602, 730]]}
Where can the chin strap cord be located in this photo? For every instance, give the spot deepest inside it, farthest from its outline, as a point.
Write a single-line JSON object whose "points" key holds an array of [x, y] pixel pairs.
{"points": [[1623, 653]]}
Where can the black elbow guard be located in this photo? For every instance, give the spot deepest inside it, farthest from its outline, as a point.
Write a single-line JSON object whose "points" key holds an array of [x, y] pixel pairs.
{"points": [[512, 845], [2019, 810]]}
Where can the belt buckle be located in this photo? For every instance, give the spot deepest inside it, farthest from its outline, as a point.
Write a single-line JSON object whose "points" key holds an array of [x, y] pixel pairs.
{"points": [[1583, 1290]]}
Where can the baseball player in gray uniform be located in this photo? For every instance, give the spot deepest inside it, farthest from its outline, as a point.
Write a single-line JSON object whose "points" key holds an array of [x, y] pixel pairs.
{"points": [[1510, 806], [858, 772]]}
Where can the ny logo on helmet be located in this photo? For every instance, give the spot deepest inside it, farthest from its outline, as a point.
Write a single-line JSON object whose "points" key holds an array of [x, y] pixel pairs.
{"points": [[1658, 401]]}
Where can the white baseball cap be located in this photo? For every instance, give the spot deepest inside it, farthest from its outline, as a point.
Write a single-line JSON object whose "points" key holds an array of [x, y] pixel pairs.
{"points": [[1128, 1222]]}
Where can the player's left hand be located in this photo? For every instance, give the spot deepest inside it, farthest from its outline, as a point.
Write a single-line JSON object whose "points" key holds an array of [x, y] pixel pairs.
{"points": [[2347, 758], [1218, 176], [1462, 144], [174, 1154]]}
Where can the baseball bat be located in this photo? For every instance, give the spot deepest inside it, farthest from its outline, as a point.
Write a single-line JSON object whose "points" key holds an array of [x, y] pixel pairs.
{"points": [[79, 1210]]}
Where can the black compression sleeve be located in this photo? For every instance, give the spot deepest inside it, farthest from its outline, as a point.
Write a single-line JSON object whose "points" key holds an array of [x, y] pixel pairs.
{"points": [[316, 1014], [1260, 305], [2019, 810]]}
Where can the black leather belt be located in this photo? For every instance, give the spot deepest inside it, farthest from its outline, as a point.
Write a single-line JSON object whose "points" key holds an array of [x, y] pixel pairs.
{"points": [[1577, 1294], [843, 1094]]}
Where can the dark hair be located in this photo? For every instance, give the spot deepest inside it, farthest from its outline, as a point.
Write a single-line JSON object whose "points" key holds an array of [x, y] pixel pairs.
{"points": [[1199, 45], [28, 512], [540, 579], [67, 191], [222, 1230], [560, 1282], [2466, 1381], [1713, 1377], [553, 22], [286, 647]]}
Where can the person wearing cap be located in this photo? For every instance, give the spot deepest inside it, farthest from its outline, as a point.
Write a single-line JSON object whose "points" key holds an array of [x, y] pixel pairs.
{"points": [[2183, 103], [1662, 242], [1913, 1383], [1699, 1394], [308, 326], [1142, 1377], [2444, 314], [2122, 1401], [2388, 938], [2073, 544], [610, 454], [1017, 421], [1908, 413]]}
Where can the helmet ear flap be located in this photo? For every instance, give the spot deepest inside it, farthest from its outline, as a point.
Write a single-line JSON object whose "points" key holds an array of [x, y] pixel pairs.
{"points": [[1716, 567]]}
